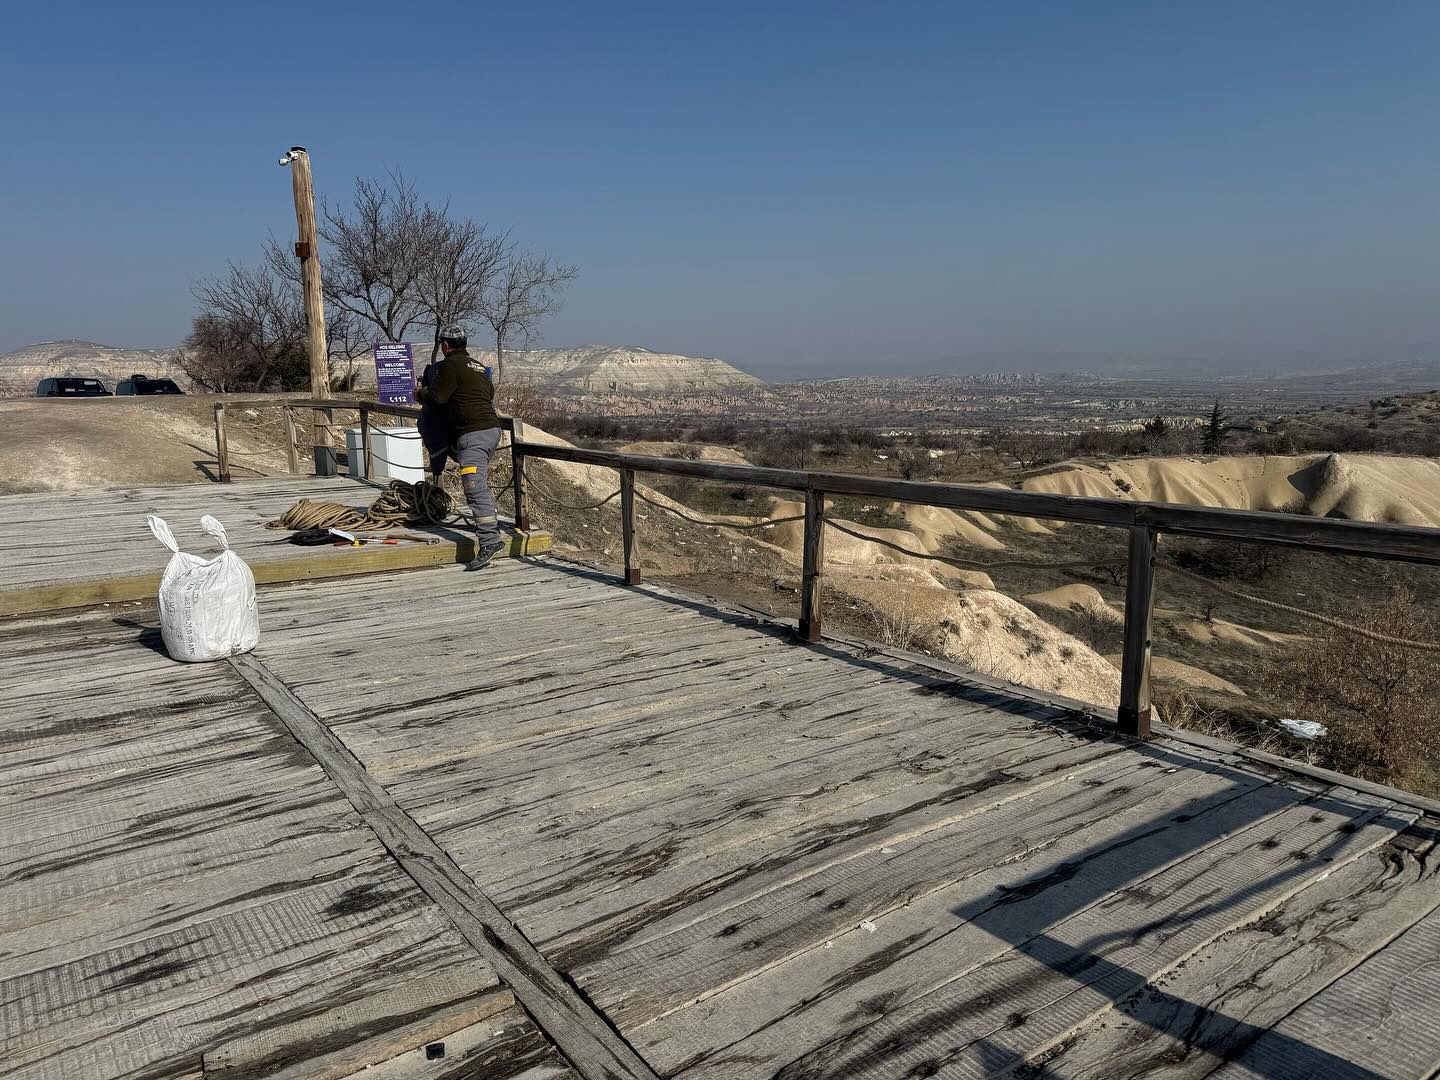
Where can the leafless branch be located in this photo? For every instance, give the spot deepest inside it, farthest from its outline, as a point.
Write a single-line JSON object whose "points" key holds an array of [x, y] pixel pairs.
{"points": [[527, 289]]}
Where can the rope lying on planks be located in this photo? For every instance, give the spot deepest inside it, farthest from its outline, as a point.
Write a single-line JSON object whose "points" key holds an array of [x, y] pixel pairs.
{"points": [[1313, 616], [400, 503]]}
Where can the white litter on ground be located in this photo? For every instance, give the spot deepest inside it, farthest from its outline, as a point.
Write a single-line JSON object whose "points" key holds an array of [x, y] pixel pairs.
{"points": [[1303, 729]]}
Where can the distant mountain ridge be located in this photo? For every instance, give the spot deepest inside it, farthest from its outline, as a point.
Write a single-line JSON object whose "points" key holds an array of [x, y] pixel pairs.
{"points": [[624, 369], [22, 369], [581, 369], [602, 369]]}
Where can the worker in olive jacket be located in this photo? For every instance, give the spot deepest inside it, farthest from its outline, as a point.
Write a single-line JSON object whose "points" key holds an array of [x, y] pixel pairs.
{"points": [[461, 385]]}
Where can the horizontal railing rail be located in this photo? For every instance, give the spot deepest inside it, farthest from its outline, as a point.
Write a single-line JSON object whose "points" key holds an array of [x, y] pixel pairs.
{"points": [[1143, 521], [1409, 542]]}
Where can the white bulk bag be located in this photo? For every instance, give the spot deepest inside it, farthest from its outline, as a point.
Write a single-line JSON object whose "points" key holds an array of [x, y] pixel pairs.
{"points": [[207, 607]]}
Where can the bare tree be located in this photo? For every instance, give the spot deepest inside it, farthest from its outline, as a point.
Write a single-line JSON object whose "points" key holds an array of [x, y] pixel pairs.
{"points": [[394, 262], [375, 253], [248, 333], [348, 339], [459, 273], [1029, 448], [527, 288]]}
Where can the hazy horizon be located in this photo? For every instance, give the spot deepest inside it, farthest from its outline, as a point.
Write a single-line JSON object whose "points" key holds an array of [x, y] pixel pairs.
{"points": [[835, 189]]}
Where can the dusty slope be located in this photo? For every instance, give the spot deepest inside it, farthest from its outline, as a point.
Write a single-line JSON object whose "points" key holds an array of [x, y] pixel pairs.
{"points": [[724, 455], [112, 442], [1361, 487]]}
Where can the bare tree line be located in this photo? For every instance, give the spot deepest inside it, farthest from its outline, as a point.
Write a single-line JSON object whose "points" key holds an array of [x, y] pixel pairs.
{"points": [[392, 263]]}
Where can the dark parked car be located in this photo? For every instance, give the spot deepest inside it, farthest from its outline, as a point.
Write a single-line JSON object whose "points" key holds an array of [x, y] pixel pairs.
{"points": [[141, 384], [71, 386]]}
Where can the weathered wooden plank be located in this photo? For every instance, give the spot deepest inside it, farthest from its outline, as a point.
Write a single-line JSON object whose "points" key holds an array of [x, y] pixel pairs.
{"points": [[653, 762], [1184, 1025], [322, 563], [46, 563], [1382, 1019], [175, 980], [591, 1046], [737, 943], [505, 1047], [609, 892], [176, 869], [859, 974], [378, 1028], [1027, 999]]}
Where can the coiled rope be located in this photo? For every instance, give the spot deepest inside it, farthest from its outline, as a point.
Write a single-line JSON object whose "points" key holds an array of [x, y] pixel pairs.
{"points": [[401, 503]]}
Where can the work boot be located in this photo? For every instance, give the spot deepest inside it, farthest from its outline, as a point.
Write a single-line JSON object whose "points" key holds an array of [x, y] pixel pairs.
{"points": [[483, 554]]}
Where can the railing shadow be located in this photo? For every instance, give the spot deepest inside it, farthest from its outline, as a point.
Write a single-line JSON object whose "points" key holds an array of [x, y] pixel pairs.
{"points": [[1118, 863]]}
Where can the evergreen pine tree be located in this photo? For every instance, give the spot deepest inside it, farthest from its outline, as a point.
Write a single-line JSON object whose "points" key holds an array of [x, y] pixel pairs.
{"points": [[1212, 437]]}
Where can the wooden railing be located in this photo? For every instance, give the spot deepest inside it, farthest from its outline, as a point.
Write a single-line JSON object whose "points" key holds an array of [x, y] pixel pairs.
{"points": [[1144, 521], [327, 407]]}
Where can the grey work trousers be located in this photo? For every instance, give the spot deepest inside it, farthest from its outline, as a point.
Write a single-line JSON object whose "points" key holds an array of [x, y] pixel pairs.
{"points": [[473, 454]]}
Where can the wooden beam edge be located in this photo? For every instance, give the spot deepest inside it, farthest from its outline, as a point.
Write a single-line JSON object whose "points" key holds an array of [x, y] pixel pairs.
{"points": [[36, 599]]}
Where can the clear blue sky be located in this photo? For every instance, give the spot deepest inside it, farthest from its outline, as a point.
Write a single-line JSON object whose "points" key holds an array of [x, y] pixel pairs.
{"points": [[795, 187]]}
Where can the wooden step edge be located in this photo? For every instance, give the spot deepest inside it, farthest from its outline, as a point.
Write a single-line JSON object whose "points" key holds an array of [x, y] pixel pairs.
{"points": [[374, 559]]}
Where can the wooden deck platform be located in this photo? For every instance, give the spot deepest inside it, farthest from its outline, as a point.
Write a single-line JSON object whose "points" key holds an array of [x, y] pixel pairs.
{"points": [[76, 548], [690, 847]]}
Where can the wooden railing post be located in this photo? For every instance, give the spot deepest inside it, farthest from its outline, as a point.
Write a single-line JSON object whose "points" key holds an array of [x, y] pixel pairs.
{"points": [[627, 525], [327, 458], [813, 565], [364, 440], [517, 479], [292, 453], [222, 452], [1134, 711]]}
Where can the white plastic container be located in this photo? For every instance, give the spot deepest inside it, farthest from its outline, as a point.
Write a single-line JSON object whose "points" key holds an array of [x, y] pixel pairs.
{"points": [[396, 453]]}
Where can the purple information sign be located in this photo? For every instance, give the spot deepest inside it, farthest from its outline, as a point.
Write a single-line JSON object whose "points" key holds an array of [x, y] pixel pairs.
{"points": [[394, 373]]}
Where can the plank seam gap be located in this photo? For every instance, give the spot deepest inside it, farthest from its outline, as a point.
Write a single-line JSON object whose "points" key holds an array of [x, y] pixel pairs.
{"points": [[584, 1035]]}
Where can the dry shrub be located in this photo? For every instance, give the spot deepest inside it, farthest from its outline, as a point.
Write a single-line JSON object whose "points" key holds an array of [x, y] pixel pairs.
{"points": [[1377, 700], [525, 398], [1092, 626], [900, 625]]}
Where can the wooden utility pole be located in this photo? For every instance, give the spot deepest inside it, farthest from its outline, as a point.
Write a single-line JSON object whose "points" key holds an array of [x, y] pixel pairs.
{"points": [[307, 250]]}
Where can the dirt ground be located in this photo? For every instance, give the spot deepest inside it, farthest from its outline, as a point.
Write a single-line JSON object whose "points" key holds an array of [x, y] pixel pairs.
{"points": [[52, 445]]}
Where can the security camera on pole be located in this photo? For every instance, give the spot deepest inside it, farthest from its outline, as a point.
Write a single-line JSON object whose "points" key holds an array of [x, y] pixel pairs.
{"points": [[307, 250]]}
